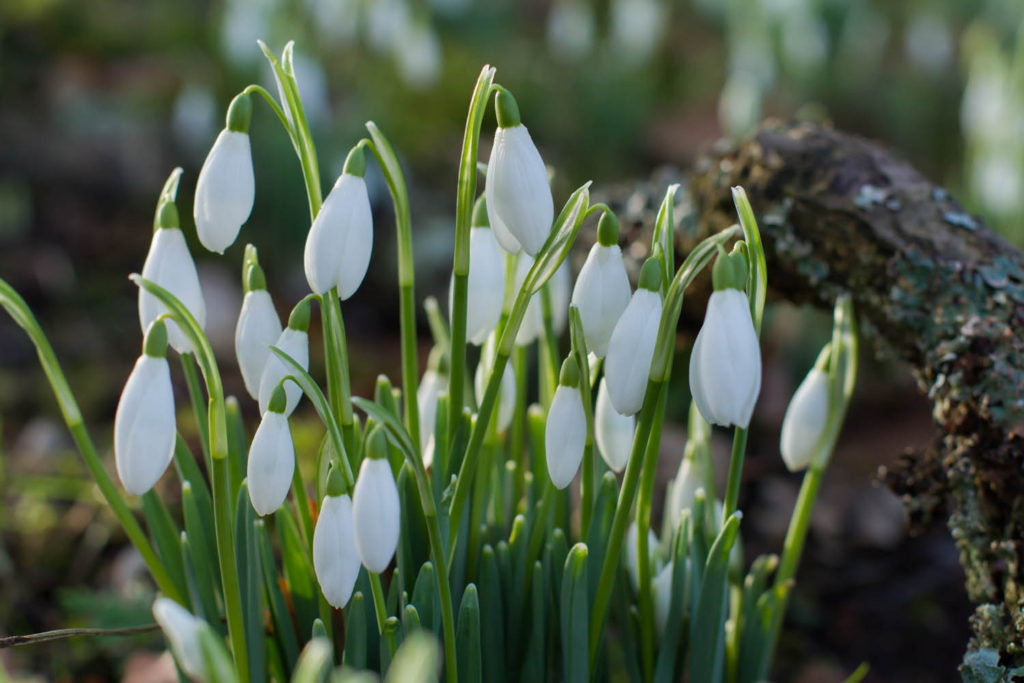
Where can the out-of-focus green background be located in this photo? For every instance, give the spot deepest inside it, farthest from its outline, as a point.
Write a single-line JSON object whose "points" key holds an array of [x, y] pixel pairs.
{"points": [[99, 100]]}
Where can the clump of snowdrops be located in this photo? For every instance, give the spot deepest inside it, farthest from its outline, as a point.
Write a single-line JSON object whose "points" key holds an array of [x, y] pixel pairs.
{"points": [[441, 533]]}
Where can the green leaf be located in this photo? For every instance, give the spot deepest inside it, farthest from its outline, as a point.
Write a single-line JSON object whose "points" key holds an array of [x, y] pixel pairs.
{"points": [[534, 663], [468, 637], [217, 662], [600, 528], [575, 616], [284, 629], [202, 557], [250, 577], [708, 626], [314, 663], [411, 620], [426, 599], [238, 444], [400, 196], [389, 634], [492, 630], [664, 226], [166, 538], [672, 649], [467, 167], [417, 661], [355, 632], [298, 571], [758, 278]]}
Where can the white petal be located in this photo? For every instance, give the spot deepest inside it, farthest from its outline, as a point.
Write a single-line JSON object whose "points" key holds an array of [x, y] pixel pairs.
{"points": [[631, 548], [560, 287], [296, 344], [375, 514], [271, 463], [601, 294], [565, 435], [506, 404], [431, 384], [533, 319], [684, 491], [144, 427], [257, 330], [225, 191], [182, 631], [334, 551], [170, 265], [486, 286], [517, 189], [612, 430], [340, 240], [805, 420], [627, 366], [662, 589], [505, 239]]}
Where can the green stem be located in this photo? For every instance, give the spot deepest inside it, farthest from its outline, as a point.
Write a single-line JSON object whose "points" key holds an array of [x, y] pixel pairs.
{"points": [[195, 393], [224, 522], [796, 535], [587, 488], [732, 491], [379, 607], [410, 374], [516, 453], [444, 588]]}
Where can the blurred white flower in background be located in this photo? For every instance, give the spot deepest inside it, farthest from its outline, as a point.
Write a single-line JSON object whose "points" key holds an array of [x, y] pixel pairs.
{"points": [[928, 42], [570, 29], [637, 27]]}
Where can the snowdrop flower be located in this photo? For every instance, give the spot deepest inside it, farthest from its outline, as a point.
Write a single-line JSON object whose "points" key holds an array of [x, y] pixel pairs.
{"points": [[170, 265], [637, 27], [661, 586], [725, 364], [559, 291], [294, 341], [486, 281], [631, 551], [533, 320], [418, 54], [565, 433], [805, 419], [570, 29], [612, 431], [334, 551], [519, 199], [226, 187], [340, 239], [432, 383], [271, 457], [506, 391], [375, 506], [682, 490], [631, 347], [602, 287], [144, 426], [182, 630], [257, 330]]}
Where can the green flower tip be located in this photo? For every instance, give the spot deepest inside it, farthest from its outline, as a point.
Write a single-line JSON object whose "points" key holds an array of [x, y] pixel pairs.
{"points": [[155, 343], [167, 215], [570, 374], [355, 162], [239, 114], [254, 278], [608, 230], [278, 398], [480, 219], [506, 109], [438, 361], [730, 271], [336, 483], [650, 275], [377, 444], [299, 319]]}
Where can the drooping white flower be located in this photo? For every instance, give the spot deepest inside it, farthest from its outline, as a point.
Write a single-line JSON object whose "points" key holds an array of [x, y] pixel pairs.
{"points": [[565, 433], [182, 630], [682, 490], [533, 320], [725, 364], [294, 341], [805, 419], [631, 551], [335, 560], [257, 330], [631, 348], [519, 199], [376, 509], [602, 287], [661, 586], [144, 425], [559, 290], [486, 280], [226, 188], [169, 264], [570, 29], [340, 240], [432, 383], [612, 430], [271, 458], [506, 406]]}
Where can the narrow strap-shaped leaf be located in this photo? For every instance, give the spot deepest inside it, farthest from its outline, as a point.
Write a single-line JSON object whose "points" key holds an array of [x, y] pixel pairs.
{"points": [[492, 621], [389, 637], [425, 598], [355, 632], [250, 578], [575, 616], [758, 276], [202, 558], [411, 620], [314, 662], [709, 614], [284, 628], [166, 537], [417, 661], [534, 662], [751, 626], [190, 579], [664, 234], [468, 637], [216, 661], [600, 528], [188, 472], [298, 571], [671, 653], [238, 444]]}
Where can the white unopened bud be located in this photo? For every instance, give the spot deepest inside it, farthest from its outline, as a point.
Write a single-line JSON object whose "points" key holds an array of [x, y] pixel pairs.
{"points": [[612, 430], [506, 405], [257, 330], [182, 630], [565, 433], [225, 191], [805, 420], [334, 551], [376, 512], [631, 551], [533, 320], [661, 587], [627, 366], [295, 343], [271, 459], [486, 280], [430, 387], [602, 289]]}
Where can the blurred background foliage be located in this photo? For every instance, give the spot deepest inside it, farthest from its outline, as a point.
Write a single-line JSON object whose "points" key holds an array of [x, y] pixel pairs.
{"points": [[100, 99]]}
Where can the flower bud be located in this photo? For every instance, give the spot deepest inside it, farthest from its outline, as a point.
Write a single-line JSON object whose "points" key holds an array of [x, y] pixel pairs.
{"points": [[294, 341], [257, 330], [559, 290], [271, 457], [340, 240], [181, 629], [507, 391], [682, 490], [805, 420], [170, 265], [486, 282], [533, 320], [376, 509], [226, 188], [565, 433], [519, 199], [661, 587], [602, 288], [432, 383], [612, 430], [334, 551], [144, 425], [631, 348], [631, 551]]}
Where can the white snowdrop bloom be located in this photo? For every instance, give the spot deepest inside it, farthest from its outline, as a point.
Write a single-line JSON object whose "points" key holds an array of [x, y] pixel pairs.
{"points": [[226, 187], [418, 55], [602, 288], [335, 560], [612, 430], [725, 364], [636, 29], [506, 405], [631, 551], [682, 491], [565, 432], [505, 239], [739, 104], [340, 240], [182, 630], [294, 341], [486, 279], [170, 265], [631, 348], [376, 509], [144, 425], [271, 458], [805, 419], [432, 383], [533, 320], [518, 194], [257, 330], [559, 290], [661, 586], [570, 29]]}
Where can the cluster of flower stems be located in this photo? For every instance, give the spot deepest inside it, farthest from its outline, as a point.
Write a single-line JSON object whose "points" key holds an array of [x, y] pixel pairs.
{"points": [[463, 492]]}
